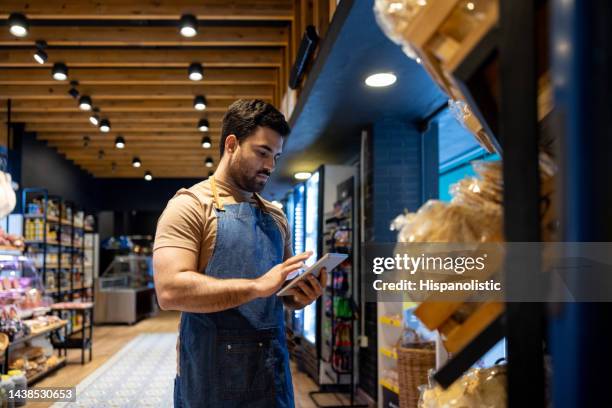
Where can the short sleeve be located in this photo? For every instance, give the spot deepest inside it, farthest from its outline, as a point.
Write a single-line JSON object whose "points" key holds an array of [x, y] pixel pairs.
{"points": [[181, 224]]}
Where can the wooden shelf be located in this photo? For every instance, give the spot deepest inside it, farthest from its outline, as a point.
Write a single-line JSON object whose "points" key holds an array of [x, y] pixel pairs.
{"points": [[61, 361], [40, 332]]}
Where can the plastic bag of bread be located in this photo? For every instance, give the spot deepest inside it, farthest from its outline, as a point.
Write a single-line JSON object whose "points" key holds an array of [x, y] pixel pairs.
{"points": [[477, 388], [394, 17]]}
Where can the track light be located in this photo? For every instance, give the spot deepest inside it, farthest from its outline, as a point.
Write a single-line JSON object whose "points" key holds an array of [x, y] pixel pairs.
{"points": [[94, 119], [199, 103], [74, 93], [105, 126], [40, 55], [148, 176], [60, 71], [203, 125], [208, 162], [85, 103], [119, 142], [196, 73], [100, 154], [18, 25], [136, 162], [86, 141], [206, 142], [189, 25]]}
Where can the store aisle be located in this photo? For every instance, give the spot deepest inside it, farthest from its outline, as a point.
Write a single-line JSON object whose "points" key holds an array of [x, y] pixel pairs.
{"points": [[109, 340]]}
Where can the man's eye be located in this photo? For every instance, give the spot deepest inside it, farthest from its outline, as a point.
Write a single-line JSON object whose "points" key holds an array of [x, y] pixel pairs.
{"points": [[262, 153]]}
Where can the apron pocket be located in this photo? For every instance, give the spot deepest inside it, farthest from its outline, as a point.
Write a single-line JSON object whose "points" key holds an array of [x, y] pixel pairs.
{"points": [[245, 365]]}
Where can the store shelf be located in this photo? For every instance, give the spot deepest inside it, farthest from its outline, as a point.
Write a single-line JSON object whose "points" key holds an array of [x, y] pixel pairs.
{"points": [[40, 332], [389, 385], [61, 361], [391, 321], [88, 229], [41, 242], [388, 353]]}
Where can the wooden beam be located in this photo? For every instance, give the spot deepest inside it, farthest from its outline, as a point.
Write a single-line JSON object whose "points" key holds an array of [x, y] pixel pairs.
{"points": [[140, 76], [94, 133], [147, 36], [153, 57], [122, 128], [120, 117], [255, 10], [99, 92], [215, 104]]}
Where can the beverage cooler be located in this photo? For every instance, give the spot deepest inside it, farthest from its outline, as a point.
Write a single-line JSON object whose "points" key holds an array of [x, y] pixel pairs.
{"points": [[308, 206]]}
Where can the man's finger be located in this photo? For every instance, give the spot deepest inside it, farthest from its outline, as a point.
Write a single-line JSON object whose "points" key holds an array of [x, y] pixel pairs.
{"points": [[315, 285], [305, 287], [323, 277]]}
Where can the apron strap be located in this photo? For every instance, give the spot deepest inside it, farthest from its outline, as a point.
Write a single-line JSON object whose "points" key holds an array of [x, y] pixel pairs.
{"points": [[219, 204]]}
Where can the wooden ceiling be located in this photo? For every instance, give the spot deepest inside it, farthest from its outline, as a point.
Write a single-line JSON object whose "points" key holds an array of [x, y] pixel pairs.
{"points": [[130, 58]]}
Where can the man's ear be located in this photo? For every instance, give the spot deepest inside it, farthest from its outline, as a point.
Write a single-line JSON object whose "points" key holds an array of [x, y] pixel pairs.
{"points": [[231, 143]]}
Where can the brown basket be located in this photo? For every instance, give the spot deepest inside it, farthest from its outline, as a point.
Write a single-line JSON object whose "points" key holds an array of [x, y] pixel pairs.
{"points": [[413, 365]]}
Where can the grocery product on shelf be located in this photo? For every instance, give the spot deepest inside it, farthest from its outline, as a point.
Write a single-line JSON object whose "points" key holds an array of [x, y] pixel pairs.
{"points": [[10, 241], [11, 324]]}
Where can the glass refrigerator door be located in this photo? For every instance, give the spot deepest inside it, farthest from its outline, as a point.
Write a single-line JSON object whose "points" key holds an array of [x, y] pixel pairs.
{"points": [[311, 240], [298, 246]]}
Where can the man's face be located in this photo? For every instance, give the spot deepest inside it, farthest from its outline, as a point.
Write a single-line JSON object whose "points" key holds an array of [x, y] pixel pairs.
{"points": [[253, 161]]}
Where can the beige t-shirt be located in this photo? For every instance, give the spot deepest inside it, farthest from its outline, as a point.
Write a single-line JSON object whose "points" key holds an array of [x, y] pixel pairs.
{"points": [[190, 221]]}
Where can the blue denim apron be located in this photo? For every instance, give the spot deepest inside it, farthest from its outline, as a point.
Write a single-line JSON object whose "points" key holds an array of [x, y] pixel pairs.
{"points": [[237, 358]]}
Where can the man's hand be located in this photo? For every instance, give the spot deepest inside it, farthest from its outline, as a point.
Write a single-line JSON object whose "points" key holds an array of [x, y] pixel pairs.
{"points": [[268, 284], [308, 290]]}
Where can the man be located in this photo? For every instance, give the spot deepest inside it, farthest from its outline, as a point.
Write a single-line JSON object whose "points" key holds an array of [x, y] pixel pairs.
{"points": [[221, 253]]}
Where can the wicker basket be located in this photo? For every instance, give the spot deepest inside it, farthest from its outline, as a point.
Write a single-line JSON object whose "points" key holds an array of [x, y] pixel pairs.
{"points": [[413, 365]]}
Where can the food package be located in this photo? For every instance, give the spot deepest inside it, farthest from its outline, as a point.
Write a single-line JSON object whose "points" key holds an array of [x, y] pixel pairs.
{"points": [[477, 388]]}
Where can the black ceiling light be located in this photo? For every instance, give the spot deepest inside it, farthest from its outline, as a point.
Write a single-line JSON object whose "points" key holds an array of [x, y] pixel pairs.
{"points": [[203, 125], [86, 141], [85, 103], [113, 167], [188, 25], [40, 55], [208, 162], [196, 73], [60, 71], [136, 162], [18, 25], [199, 103], [105, 125], [206, 142], [73, 92], [100, 154], [119, 142], [148, 176], [94, 119]]}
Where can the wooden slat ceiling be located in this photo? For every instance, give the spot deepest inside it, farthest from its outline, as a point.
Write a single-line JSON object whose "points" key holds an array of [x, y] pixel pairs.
{"points": [[130, 58]]}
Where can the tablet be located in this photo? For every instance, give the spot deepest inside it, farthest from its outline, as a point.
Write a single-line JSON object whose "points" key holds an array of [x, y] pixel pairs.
{"points": [[328, 261]]}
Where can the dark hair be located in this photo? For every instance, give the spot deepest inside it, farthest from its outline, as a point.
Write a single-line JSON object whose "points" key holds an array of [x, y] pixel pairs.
{"points": [[244, 116]]}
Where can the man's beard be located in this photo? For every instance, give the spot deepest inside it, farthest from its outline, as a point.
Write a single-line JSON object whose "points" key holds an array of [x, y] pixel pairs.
{"points": [[244, 181]]}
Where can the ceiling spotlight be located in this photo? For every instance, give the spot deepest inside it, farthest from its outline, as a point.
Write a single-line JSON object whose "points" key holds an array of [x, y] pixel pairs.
{"points": [[100, 154], [74, 93], [206, 142], [86, 141], [208, 162], [199, 103], [40, 55], [105, 126], [18, 25], [136, 162], [94, 119], [203, 125], [381, 79], [113, 167], [119, 142], [189, 25], [148, 176], [85, 103], [302, 175], [60, 71], [196, 73]]}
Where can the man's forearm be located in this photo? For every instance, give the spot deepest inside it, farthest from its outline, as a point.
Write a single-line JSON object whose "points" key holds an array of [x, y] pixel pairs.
{"points": [[194, 292]]}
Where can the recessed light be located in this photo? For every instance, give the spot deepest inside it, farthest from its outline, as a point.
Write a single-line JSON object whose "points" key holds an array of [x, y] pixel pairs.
{"points": [[199, 103], [203, 125], [381, 79], [148, 176], [196, 73], [206, 142], [208, 162], [60, 71], [18, 25], [302, 175], [189, 25], [136, 162], [105, 126], [119, 142], [85, 103]]}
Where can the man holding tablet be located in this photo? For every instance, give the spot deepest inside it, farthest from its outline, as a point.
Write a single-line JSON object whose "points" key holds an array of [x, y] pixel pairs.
{"points": [[221, 254]]}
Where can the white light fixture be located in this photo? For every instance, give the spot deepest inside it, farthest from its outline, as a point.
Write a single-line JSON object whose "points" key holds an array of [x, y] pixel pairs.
{"points": [[381, 79], [119, 142], [60, 71], [470, 6], [105, 126], [94, 119], [203, 125], [189, 25], [85, 103], [18, 25], [40, 56], [422, 3], [206, 142], [208, 162], [136, 162], [302, 175], [199, 103], [148, 176], [277, 204], [196, 73]]}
